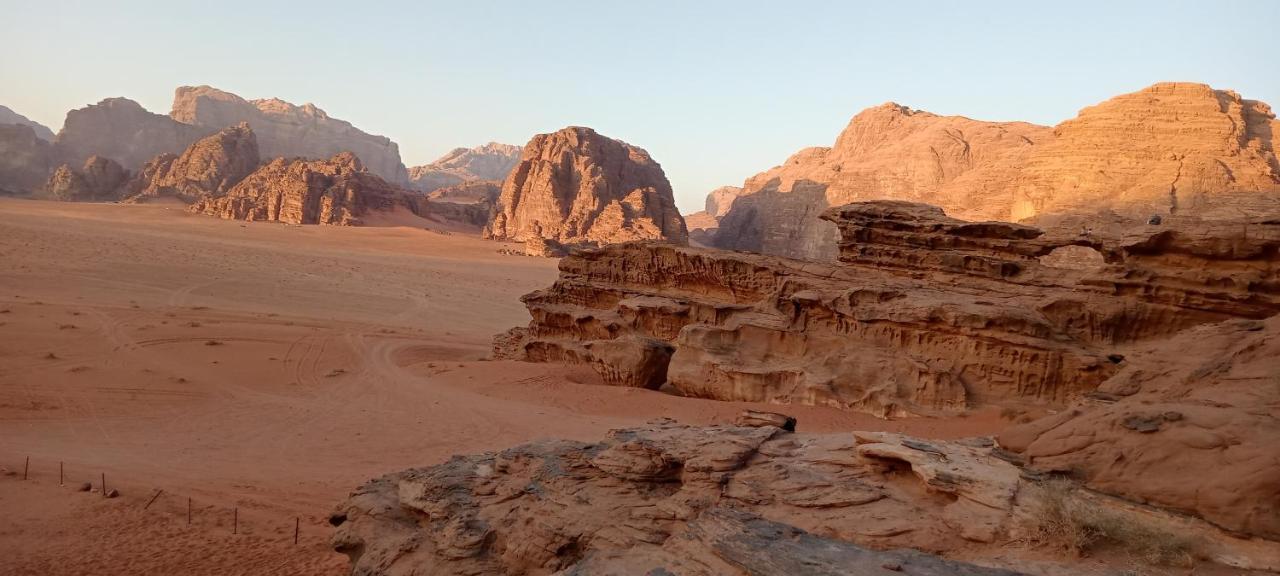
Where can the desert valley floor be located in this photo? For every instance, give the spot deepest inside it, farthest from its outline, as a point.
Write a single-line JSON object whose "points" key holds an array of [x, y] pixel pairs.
{"points": [[264, 371]]}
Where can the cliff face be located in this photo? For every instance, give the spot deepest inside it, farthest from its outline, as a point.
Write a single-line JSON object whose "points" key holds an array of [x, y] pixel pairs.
{"points": [[212, 165], [25, 160], [1170, 148], [923, 314], [704, 224], [336, 191], [575, 186], [100, 179], [492, 161], [284, 129], [123, 131]]}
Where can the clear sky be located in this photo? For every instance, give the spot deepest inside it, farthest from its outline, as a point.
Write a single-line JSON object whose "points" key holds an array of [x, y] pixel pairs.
{"points": [[715, 91]]}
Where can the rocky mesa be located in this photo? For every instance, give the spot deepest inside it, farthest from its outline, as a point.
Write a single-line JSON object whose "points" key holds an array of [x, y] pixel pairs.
{"points": [[577, 187]]}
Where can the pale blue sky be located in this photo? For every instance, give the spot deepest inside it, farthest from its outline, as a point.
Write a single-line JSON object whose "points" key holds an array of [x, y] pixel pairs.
{"points": [[715, 91]]}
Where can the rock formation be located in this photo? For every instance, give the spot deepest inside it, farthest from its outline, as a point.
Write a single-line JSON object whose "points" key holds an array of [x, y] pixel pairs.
{"points": [[670, 499], [923, 314], [8, 116], [336, 191], [492, 161], [576, 187], [284, 129], [704, 224], [886, 152], [212, 165], [98, 180], [469, 203], [25, 160], [1183, 148], [122, 130], [1194, 432]]}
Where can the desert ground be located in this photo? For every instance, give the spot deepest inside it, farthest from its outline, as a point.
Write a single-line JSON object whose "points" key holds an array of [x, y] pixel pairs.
{"points": [[262, 371]]}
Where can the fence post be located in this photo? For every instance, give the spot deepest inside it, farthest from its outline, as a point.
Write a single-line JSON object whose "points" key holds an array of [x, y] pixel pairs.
{"points": [[295, 531], [188, 510], [153, 498], [61, 476], [104, 484], [235, 521], [25, 466]]}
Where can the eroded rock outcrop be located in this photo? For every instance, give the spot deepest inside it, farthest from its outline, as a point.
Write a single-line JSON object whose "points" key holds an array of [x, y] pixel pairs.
{"points": [[491, 162], [100, 179], [671, 499], [924, 313], [336, 191], [1188, 423], [25, 160], [287, 130], [576, 187], [210, 166], [704, 224], [1172, 148]]}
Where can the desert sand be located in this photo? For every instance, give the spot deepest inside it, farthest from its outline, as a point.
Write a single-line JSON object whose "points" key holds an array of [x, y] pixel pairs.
{"points": [[263, 370]]}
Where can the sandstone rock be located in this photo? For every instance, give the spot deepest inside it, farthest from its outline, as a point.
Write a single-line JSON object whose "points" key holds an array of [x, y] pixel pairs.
{"points": [[703, 225], [122, 130], [1170, 148], [98, 180], [212, 165], [924, 314], [758, 418], [336, 191], [25, 160], [469, 203], [8, 116], [284, 129], [577, 187], [1194, 432], [663, 499], [492, 161]]}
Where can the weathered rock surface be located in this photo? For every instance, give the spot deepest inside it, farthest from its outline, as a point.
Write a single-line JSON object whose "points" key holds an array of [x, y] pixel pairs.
{"points": [[924, 313], [576, 187], [8, 116], [122, 130], [1170, 148], [492, 161], [98, 180], [670, 499], [212, 165], [287, 130], [704, 224], [25, 160], [336, 191], [1188, 423]]}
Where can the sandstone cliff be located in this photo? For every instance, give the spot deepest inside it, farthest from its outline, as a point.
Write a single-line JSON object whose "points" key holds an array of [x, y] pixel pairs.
{"points": [[98, 180], [1170, 148], [25, 160], [8, 116], [492, 161], [284, 129], [703, 224], [122, 130], [923, 314], [336, 191], [212, 165], [576, 187]]}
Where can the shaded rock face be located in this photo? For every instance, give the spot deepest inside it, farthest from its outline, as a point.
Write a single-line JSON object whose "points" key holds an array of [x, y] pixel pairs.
{"points": [[1195, 432], [337, 191], [492, 161], [670, 499], [923, 314], [1168, 149], [704, 224], [576, 187], [8, 116], [886, 152], [284, 129], [25, 160], [212, 165], [98, 180], [122, 130]]}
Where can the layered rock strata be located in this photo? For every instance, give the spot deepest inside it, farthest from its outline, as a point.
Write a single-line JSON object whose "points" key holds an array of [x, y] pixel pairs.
{"points": [[576, 187], [337, 191], [670, 499], [924, 313]]}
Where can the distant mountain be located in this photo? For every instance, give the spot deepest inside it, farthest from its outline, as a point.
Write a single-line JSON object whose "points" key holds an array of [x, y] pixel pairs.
{"points": [[8, 116], [492, 161]]}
